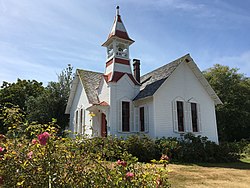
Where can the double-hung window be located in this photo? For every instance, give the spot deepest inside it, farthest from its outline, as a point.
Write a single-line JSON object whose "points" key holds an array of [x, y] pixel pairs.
{"points": [[186, 116], [142, 119], [180, 115], [76, 121], [125, 116], [194, 115]]}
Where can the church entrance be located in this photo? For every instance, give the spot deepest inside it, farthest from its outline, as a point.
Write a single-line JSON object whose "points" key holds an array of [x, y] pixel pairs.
{"points": [[104, 126]]}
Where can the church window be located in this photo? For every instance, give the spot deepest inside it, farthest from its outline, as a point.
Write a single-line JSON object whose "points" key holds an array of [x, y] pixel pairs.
{"points": [[180, 116], [125, 116]]}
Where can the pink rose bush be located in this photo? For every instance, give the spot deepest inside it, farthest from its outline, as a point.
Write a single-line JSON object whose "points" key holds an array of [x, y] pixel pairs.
{"points": [[43, 138], [72, 163], [34, 141], [1, 149], [29, 155], [122, 163], [129, 175]]}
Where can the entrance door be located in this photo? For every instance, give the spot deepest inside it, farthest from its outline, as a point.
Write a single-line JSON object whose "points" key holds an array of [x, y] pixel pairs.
{"points": [[104, 126]]}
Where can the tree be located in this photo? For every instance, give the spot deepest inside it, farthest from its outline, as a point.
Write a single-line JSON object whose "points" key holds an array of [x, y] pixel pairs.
{"points": [[233, 88], [19, 92], [52, 103]]}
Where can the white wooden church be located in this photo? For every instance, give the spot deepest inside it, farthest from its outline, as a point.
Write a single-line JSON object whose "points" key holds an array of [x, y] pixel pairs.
{"points": [[168, 101]]}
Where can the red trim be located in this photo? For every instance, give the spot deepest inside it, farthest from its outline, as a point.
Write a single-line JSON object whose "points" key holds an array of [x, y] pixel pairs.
{"points": [[120, 34], [109, 62], [118, 60], [122, 61], [118, 75], [133, 79], [103, 103], [107, 77]]}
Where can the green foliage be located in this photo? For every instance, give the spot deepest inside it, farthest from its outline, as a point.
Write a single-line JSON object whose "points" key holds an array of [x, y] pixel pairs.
{"points": [[141, 146], [198, 149], [63, 162], [39, 104], [233, 88], [13, 120], [52, 102], [18, 93]]}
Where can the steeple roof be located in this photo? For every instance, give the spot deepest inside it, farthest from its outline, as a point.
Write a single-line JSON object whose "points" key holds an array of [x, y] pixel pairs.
{"points": [[118, 29]]}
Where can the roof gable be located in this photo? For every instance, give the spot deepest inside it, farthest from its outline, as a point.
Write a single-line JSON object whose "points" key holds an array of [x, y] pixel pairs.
{"points": [[90, 81], [152, 81]]}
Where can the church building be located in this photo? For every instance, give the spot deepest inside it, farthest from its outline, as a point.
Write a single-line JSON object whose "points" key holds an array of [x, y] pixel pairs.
{"points": [[169, 101]]}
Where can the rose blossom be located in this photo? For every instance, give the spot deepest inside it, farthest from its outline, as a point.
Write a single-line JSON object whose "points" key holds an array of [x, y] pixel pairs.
{"points": [[34, 141], [123, 163], [164, 157], [1, 149], [29, 155], [129, 175], [43, 138]]}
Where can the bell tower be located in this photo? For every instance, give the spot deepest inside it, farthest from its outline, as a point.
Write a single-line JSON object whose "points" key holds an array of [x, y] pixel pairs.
{"points": [[117, 44]]}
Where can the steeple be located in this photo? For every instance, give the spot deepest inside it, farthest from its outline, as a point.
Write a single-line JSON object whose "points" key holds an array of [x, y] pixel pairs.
{"points": [[118, 30], [117, 44]]}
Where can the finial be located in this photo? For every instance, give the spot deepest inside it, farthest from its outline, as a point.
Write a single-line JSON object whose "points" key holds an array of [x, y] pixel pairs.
{"points": [[117, 10]]}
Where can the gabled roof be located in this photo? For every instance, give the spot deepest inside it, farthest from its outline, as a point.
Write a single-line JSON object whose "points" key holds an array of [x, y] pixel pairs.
{"points": [[90, 81], [153, 80]]}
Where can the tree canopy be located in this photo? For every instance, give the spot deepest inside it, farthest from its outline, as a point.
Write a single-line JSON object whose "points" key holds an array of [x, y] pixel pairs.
{"points": [[233, 88], [40, 104]]}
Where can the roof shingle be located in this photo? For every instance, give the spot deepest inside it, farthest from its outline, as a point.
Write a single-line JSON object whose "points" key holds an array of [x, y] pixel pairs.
{"points": [[90, 81], [153, 80]]}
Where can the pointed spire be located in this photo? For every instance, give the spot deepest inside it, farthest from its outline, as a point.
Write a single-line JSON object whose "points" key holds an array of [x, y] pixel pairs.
{"points": [[117, 10], [118, 29]]}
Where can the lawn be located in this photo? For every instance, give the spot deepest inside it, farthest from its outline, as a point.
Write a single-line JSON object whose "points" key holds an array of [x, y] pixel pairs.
{"points": [[229, 175]]}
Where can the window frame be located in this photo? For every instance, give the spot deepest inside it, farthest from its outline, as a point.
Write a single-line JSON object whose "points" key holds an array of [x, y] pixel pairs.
{"points": [[180, 116], [128, 117], [140, 120], [194, 116], [76, 121], [187, 116]]}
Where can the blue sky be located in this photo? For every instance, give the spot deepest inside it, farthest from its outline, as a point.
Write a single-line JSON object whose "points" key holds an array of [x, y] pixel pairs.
{"points": [[39, 38]]}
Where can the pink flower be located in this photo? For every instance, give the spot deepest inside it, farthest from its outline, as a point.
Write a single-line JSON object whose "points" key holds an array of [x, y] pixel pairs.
{"points": [[123, 163], [165, 157], [43, 138], [1, 149], [2, 137], [29, 155], [130, 175], [34, 141]]}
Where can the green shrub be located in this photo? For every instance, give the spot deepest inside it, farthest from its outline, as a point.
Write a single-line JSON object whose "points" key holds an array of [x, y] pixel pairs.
{"points": [[198, 149], [141, 146], [52, 161]]}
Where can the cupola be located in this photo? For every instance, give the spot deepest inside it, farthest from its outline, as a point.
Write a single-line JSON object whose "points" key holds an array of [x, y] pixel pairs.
{"points": [[117, 44]]}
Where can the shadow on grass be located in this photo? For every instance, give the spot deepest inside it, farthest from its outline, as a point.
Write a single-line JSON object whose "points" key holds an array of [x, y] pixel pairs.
{"points": [[243, 165]]}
